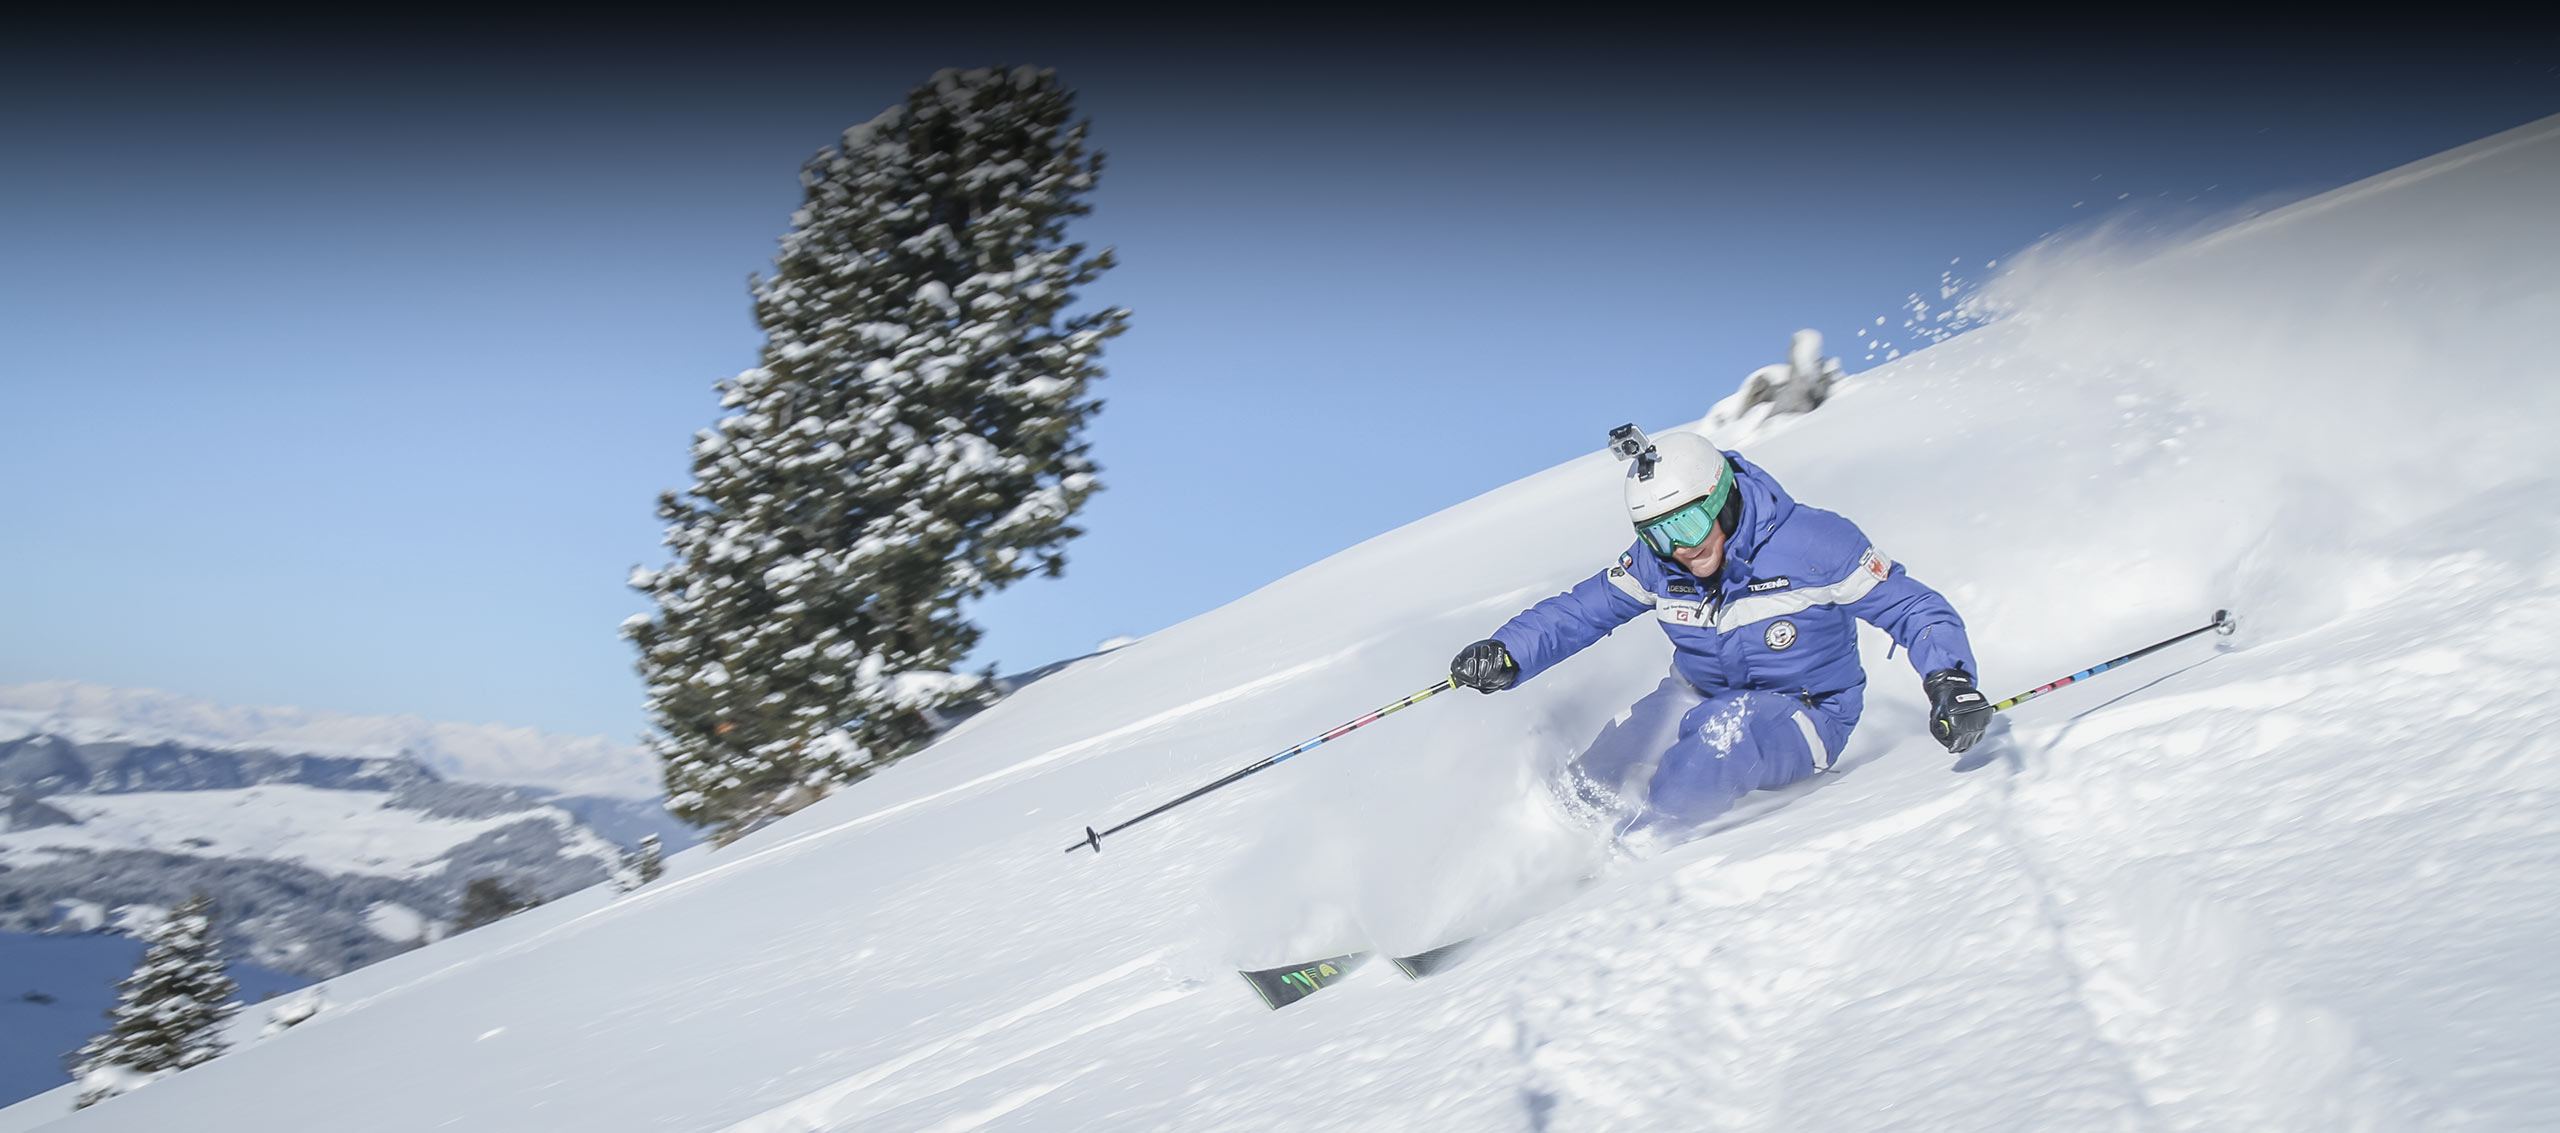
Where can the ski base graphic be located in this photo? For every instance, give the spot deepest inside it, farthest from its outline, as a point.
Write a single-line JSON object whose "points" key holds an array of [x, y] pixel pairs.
{"points": [[1280, 987]]}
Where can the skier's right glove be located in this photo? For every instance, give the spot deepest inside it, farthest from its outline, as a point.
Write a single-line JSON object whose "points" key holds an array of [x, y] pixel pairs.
{"points": [[1484, 666], [1957, 711]]}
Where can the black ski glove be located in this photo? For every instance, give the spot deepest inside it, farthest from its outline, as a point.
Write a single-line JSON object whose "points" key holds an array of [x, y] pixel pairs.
{"points": [[1957, 711], [1484, 666]]}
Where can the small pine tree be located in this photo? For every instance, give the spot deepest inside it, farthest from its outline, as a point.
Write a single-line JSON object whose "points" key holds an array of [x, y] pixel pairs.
{"points": [[487, 900], [643, 865], [168, 1014], [652, 860], [910, 440]]}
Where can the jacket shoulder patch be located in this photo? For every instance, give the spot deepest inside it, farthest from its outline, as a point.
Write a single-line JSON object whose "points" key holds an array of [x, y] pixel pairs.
{"points": [[1627, 584]]}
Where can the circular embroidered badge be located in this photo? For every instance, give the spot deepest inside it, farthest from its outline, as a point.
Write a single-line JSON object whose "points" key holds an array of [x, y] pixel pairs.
{"points": [[1781, 634]]}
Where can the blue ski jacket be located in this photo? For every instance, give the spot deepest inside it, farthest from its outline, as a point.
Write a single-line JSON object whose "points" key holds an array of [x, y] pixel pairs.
{"points": [[1776, 618]]}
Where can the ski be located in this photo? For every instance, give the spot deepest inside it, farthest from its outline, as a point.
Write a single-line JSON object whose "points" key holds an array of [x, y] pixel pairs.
{"points": [[1280, 987], [1421, 964]]}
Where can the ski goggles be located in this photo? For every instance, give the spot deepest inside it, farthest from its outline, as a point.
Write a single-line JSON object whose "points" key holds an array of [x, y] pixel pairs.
{"points": [[1688, 525]]}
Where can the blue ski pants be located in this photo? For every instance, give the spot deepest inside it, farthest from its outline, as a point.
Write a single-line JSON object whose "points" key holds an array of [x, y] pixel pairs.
{"points": [[1680, 757]]}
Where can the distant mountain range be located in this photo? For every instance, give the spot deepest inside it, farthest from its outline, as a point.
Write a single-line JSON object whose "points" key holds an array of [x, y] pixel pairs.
{"points": [[481, 753], [328, 842]]}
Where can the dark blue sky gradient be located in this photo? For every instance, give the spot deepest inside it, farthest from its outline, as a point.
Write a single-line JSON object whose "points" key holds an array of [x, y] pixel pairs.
{"points": [[344, 369]]}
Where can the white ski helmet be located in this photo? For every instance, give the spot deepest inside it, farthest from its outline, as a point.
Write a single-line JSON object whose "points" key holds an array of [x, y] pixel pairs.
{"points": [[1684, 469]]}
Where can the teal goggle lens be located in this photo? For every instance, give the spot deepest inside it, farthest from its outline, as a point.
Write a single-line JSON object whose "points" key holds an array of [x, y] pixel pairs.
{"points": [[1686, 527]]}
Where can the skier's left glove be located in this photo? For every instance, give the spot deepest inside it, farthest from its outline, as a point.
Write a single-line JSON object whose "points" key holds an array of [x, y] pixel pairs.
{"points": [[1957, 711], [1484, 666]]}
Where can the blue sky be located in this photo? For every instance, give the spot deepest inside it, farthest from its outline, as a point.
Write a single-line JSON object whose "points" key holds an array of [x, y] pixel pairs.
{"points": [[344, 374]]}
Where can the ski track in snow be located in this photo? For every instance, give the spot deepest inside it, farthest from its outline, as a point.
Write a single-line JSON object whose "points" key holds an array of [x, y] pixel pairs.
{"points": [[839, 1105], [1011, 1102]]}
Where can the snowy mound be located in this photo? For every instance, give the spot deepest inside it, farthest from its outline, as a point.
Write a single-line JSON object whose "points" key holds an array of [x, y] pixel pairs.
{"points": [[2300, 884]]}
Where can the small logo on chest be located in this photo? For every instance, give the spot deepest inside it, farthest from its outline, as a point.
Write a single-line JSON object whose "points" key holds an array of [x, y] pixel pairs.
{"points": [[1781, 634], [1766, 585]]}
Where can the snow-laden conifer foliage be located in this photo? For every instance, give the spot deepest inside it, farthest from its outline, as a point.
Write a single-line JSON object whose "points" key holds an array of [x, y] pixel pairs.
{"points": [[168, 1014], [488, 900], [642, 866], [911, 439]]}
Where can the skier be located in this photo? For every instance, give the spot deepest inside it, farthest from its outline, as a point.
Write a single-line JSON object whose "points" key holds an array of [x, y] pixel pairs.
{"points": [[1756, 592]]}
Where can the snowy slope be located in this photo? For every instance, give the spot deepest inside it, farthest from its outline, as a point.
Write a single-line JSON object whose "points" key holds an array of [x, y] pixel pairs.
{"points": [[2299, 885], [484, 753]]}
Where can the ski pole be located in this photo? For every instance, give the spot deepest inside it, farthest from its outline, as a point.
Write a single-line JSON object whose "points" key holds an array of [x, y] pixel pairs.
{"points": [[1094, 840], [2222, 623]]}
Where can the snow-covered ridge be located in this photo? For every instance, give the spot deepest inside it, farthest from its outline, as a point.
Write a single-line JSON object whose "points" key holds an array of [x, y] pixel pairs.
{"points": [[329, 831], [486, 753]]}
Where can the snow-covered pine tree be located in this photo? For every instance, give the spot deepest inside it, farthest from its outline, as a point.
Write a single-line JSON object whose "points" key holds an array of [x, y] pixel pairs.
{"points": [[168, 1014], [911, 439], [650, 861], [641, 866]]}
